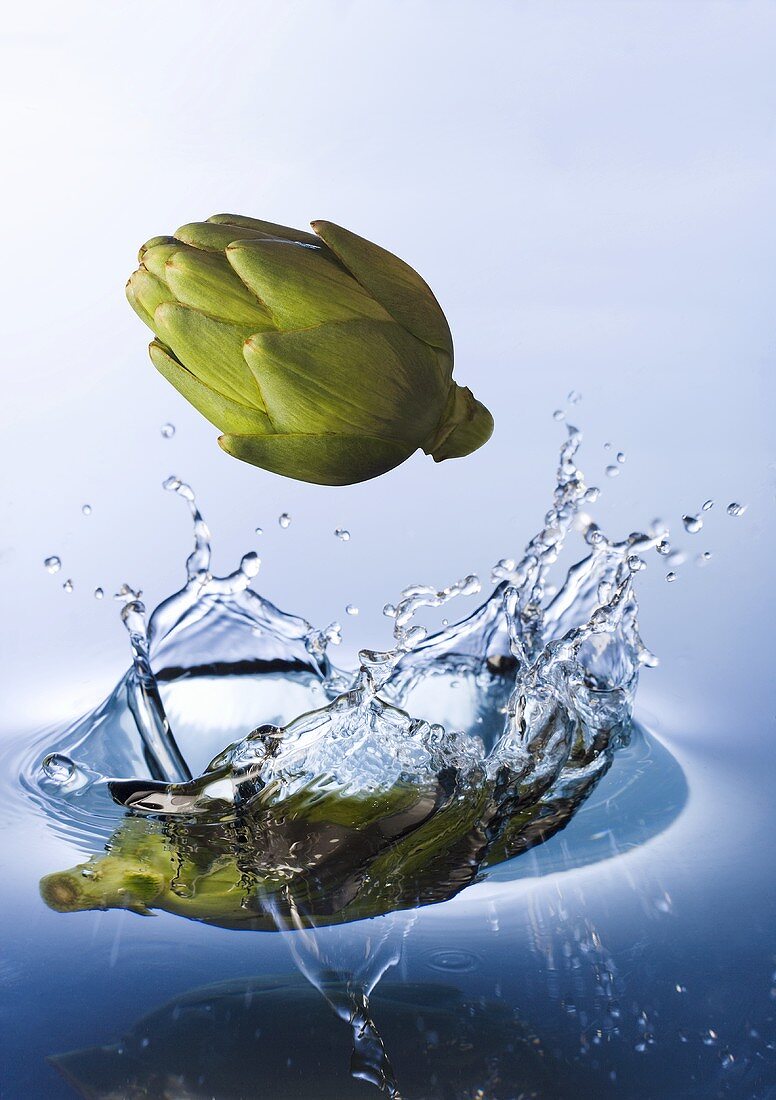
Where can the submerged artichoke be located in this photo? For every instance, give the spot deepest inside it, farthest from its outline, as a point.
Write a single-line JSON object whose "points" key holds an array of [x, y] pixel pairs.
{"points": [[324, 358]]}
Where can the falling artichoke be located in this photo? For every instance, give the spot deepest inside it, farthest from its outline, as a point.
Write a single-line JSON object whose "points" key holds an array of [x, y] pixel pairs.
{"points": [[321, 357]]}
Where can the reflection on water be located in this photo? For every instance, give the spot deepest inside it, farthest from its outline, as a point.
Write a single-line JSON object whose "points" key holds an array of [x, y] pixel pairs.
{"points": [[216, 1041]]}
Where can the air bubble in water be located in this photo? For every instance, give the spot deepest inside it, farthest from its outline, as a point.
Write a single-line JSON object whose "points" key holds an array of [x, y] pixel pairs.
{"points": [[351, 609], [58, 768], [707, 505], [671, 577], [68, 585], [98, 593], [284, 519], [692, 524], [53, 564], [87, 509], [612, 471], [167, 430], [735, 509]]}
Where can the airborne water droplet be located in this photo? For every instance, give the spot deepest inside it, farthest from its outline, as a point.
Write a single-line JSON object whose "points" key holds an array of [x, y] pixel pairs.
{"points": [[692, 524], [636, 564], [612, 471], [663, 547], [68, 585], [704, 558], [559, 415], [735, 509], [621, 457], [58, 768], [351, 609], [87, 509], [671, 577], [167, 430], [53, 564], [284, 520], [707, 505], [592, 494], [259, 530], [98, 593], [574, 397], [342, 534]]}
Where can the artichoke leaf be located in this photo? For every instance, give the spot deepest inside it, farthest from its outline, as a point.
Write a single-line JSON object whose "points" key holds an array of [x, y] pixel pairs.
{"points": [[213, 237], [268, 229], [397, 286], [205, 281], [356, 377], [320, 459], [212, 350], [225, 414], [300, 285], [145, 293]]}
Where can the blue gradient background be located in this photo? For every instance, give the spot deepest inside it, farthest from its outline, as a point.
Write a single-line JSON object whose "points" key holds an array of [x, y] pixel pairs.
{"points": [[588, 187]]}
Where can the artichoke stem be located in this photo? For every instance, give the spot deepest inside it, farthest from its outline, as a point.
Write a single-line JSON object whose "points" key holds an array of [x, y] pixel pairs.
{"points": [[465, 425]]}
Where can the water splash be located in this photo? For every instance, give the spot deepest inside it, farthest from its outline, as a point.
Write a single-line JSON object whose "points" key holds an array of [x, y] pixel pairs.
{"points": [[359, 791]]}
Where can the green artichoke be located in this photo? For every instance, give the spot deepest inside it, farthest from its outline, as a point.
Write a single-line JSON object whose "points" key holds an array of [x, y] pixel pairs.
{"points": [[321, 357]]}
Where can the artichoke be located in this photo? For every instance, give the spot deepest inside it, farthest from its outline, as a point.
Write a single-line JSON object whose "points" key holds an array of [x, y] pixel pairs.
{"points": [[321, 357]]}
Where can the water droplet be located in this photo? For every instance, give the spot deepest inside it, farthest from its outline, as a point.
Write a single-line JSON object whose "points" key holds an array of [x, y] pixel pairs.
{"points": [[389, 610], [574, 397], [680, 988], [58, 768], [456, 961], [621, 457], [86, 509], [671, 577], [663, 547], [592, 494], [284, 520], [735, 509], [607, 446], [167, 430], [612, 471], [259, 530], [559, 415], [68, 585], [707, 505], [692, 524], [704, 558], [342, 534], [98, 593], [351, 609], [53, 564], [636, 564]]}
